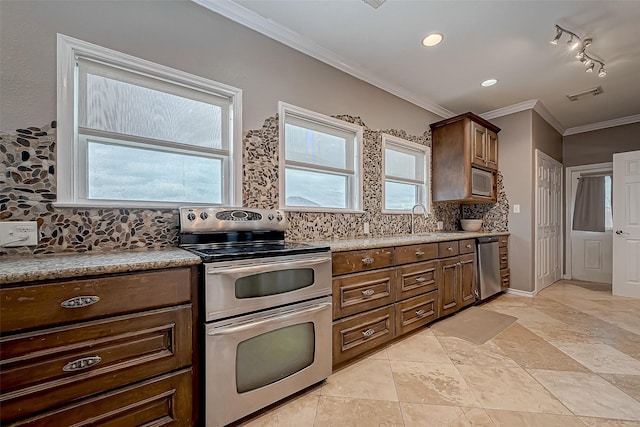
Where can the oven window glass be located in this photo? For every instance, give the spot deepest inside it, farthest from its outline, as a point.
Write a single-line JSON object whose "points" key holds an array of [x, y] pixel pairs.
{"points": [[274, 355], [274, 282]]}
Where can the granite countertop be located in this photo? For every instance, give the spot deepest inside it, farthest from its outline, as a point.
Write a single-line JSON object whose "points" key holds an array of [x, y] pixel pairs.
{"points": [[25, 268], [355, 243]]}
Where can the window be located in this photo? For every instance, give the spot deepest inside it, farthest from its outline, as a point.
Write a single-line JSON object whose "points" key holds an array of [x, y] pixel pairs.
{"points": [[405, 166], [320, 162], [132, 133]]}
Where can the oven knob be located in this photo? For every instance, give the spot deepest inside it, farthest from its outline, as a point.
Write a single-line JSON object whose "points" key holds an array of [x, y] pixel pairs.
{"points": [[191, 216], [270, 216], [279, 217], [204, 215]]}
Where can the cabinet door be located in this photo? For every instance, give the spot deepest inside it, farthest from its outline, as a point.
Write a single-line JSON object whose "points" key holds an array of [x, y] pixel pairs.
{"points": [[449, 286], [478, 144], [492, 150], [467, 279]]}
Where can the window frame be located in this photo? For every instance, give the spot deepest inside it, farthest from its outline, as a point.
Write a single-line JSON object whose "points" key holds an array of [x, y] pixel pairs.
{"points": [[71, 174], [354, 192], [424, 191]]}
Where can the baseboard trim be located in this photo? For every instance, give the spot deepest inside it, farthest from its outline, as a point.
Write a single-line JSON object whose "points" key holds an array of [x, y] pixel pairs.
{"points": [[520, 293]]}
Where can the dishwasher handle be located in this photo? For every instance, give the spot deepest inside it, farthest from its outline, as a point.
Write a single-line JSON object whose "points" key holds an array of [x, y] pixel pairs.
{"points": [[488, 239]]}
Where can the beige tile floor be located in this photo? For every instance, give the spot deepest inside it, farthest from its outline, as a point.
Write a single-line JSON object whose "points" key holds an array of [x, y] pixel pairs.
{"points": [[571, 359]]}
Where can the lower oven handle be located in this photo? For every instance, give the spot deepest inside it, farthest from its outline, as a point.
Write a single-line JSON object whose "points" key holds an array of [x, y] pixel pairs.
{"points": [[239, 328], [266, 267]]}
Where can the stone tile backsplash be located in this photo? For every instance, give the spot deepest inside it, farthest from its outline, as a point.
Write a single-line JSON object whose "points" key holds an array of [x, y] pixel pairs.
{"points": [[28, 191]]}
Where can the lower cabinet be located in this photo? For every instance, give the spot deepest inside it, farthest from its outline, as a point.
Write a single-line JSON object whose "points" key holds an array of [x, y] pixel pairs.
{"points": [[457, 283], [415, 312], [164, 400], [360, 333], [91, 361]]}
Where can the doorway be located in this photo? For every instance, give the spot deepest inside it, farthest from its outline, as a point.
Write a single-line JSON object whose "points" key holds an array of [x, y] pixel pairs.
{"points": [[589, 248], [548, 221]]}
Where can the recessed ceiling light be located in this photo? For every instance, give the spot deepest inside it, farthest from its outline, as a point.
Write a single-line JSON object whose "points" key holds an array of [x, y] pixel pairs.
{"points": [[432, 39], [489, 82]]}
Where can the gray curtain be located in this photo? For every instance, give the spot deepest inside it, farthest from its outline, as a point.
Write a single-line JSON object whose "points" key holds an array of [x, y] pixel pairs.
{"points": [[588, 212]]}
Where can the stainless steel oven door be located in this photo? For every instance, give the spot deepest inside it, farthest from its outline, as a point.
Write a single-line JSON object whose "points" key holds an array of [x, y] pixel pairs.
{"points": [[243, 286], [255, 360]]}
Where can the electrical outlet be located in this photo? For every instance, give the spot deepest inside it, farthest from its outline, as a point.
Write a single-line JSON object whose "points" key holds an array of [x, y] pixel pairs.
{"points": [[516, 208], [366, 228], [18, 233], [439, 225]]}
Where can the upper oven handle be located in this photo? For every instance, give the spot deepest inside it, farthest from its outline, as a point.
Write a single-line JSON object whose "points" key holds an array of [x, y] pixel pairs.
{"points": [[255, 269], [259, 322]]}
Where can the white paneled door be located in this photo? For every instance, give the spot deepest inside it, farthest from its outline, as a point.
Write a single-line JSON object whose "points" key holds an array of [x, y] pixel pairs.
{"points": [[589, 255], [548, 216], [626, 224]]}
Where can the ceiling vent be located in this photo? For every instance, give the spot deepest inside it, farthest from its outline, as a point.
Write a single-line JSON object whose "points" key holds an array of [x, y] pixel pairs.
{"points": [[593, 92], [374, 3]]}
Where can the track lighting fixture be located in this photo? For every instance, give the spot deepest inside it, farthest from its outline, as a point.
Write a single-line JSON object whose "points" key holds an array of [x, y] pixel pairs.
{"points": [[575, 42]]}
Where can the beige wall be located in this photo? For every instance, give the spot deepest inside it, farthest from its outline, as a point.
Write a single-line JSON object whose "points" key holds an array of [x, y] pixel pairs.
{"points": [[598, 146], [185, 36], [516, 164], [545, 138]]}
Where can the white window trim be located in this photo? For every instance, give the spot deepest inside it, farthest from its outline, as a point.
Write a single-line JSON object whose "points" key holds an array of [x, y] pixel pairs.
{"points": [[425, 196], [67, 145], [288, 109]]}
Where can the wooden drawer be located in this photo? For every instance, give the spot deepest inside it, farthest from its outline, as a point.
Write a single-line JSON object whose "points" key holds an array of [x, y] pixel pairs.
{"points": [[505, 278], [354, 261], [357, 334], [467, 246], [447, 249], [503, 241], [165, 400], [416, 312], [415, 253], [34, 306], [359, 292], [55, 366], [504, 257], [416, 279]]}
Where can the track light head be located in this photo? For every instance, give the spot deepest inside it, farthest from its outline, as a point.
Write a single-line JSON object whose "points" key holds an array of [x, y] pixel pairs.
{"points": [[557, 37], [602, 72], [580, 55], [590, 68]]}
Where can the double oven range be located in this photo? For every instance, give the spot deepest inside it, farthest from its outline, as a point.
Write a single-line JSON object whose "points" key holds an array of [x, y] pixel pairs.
{"points": [[265, 329]]}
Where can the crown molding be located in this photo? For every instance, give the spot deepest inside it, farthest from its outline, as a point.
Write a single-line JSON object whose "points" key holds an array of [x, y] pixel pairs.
{"points": [[532, 104], [266, 27], [546, 115], [603, 125], [510, 109]]}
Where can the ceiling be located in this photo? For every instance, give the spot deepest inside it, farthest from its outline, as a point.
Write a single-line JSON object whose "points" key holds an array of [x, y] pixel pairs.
{"points": [[505, 40]]}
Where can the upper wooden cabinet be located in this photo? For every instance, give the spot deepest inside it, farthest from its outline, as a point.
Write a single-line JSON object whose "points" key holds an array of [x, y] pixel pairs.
{"points": [[458, 144], [484, 148]]}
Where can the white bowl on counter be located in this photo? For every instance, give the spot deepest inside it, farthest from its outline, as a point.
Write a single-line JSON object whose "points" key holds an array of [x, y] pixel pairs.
{"points": [[471, 224]]}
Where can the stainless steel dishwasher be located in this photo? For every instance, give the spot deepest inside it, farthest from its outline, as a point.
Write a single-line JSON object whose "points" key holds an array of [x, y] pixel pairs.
{"points": [[488, 278]]}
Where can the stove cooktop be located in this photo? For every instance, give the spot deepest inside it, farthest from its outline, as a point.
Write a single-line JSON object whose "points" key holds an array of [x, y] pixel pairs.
{"points": [[254, 250]]}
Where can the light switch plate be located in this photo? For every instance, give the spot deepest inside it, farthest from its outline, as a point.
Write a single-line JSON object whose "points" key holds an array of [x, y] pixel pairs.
{"points": [[18, 233], [516, 208], [439, 225], [366, 228]]}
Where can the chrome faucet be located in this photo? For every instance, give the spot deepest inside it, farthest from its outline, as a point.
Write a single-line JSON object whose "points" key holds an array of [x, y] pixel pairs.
{"points": [[424, 213]]}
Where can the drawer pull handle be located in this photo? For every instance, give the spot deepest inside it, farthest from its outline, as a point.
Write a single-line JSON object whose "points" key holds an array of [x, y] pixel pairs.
{"points": [[419, 253], [420, 313], [468, 246], [368, 333], [79, 302], [80, 364], [368, 292], [450, 248], [420, 279], [367, 260]]}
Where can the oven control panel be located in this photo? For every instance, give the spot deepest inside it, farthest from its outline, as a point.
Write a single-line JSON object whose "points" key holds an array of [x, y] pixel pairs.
{"points": [[206, 219]]}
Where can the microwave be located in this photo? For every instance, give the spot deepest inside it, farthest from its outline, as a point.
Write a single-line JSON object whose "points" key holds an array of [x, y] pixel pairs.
{"points": [[481, 182]]}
